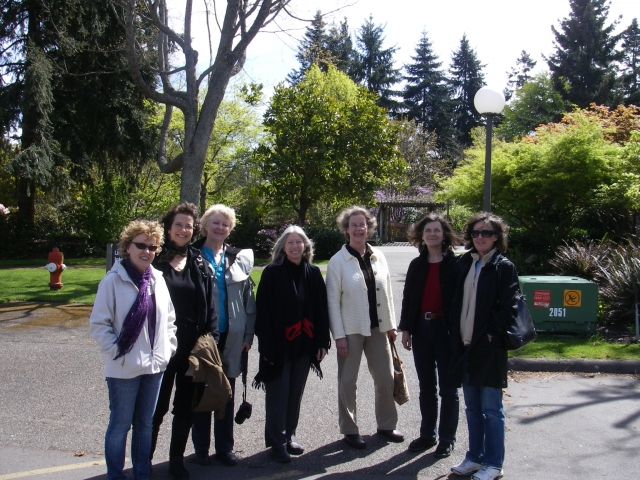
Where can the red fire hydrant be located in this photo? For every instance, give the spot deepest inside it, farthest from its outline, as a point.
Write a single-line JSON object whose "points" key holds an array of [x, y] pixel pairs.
{"points": [[55, 267]]}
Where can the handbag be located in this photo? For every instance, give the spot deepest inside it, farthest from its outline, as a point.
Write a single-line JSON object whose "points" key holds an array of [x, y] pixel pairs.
{"points": [[521, 331], [400, 389]]}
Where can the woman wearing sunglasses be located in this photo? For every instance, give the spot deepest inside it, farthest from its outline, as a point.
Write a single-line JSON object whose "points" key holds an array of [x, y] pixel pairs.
{"points": [[190, 284], [133, 322], [483, 308], [424, 321]]}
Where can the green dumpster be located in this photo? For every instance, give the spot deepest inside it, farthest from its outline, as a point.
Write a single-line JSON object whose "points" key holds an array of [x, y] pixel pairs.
{"points": [[567, 304]]}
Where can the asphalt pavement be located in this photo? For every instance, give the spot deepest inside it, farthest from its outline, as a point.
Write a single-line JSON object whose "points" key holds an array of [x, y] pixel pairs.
{"points": [[54, 412]]}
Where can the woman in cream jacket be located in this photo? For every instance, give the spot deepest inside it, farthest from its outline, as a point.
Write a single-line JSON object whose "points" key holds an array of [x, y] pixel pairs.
{"points": [[362, 320]]}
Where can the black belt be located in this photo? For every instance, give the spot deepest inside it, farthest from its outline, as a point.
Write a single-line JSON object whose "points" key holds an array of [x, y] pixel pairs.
{"points": [[433, 316]]}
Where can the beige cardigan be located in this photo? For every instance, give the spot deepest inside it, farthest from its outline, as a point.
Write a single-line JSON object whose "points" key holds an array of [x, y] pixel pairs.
{"points": [[347, 295]]}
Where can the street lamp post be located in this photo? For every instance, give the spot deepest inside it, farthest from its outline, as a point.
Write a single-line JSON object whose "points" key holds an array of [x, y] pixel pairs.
{"points": [[488, 103]]}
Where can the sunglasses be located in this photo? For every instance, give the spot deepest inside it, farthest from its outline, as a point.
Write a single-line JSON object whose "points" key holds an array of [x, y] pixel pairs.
{"points": [[144, 246], [482, 233]]}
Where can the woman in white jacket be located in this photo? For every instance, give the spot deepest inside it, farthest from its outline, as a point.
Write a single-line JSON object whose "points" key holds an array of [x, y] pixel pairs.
{"points": [[362, 320], [133, 322]]}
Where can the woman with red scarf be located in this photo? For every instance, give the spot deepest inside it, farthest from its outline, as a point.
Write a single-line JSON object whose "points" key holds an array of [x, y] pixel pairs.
{"points": [[292, 325], [133, 322]]}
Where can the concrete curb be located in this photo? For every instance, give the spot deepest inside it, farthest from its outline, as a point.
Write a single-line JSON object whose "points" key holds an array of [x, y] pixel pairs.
{"points": [[631, 367]]}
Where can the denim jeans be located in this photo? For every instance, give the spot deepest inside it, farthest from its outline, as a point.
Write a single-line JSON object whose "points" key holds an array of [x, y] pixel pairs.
{"points": [[431, 347], [132, 401], [486, 423]]}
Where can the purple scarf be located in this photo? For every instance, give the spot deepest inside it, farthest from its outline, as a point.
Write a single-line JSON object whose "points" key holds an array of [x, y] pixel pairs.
{"points": [[134, 321]]}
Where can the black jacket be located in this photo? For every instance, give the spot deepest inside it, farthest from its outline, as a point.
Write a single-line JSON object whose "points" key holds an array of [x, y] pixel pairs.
{"points": [[414, 286], [496, 306], [202, 277], [277, 306]]}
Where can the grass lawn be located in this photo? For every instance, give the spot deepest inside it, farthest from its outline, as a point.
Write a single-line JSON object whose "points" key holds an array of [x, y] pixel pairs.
{"points": [[32, 285], [556, 346]]}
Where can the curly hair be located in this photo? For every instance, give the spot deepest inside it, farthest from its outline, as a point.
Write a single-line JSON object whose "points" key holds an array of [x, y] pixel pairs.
{"points": [[278, 247], [137, 227], [347, 213], [498, 225], [416, 231], [228, 212], [184, 208]]}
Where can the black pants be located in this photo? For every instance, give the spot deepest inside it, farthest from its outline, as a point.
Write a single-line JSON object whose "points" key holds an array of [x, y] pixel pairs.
{"points": [[282, 402], [222, 428], [432, 354]]}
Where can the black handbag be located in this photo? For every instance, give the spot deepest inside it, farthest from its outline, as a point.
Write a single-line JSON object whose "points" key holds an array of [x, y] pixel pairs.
{"points": [[521, 332]]}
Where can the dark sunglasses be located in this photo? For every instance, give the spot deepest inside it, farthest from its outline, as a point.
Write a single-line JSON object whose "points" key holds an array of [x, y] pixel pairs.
{"points": [[482, 233], [144, 246]]}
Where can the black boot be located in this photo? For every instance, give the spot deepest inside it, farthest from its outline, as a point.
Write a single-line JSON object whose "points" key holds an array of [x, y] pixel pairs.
{"points": [[179, 438]]}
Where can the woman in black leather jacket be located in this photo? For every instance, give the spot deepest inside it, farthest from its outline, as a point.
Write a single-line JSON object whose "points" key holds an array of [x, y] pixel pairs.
{"points": [[483, 308], [424, 321]]}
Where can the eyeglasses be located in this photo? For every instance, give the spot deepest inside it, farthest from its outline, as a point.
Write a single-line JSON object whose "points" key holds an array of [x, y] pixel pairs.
{"points": [[482, 233], [188, 228], [144, 246], [362, 226]]}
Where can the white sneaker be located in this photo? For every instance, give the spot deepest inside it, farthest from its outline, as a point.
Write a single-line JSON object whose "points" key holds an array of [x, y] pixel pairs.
{"points": [[487, 473], [467, 467]]}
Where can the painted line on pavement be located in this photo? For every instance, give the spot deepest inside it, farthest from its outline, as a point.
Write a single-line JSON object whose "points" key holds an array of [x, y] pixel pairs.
{"points": [[44, 471]]}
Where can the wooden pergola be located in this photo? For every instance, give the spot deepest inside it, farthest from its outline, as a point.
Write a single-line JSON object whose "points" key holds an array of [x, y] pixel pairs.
{"points": [[389, 231]]}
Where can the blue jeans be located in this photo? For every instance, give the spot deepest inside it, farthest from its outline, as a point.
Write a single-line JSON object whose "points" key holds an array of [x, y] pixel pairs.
{"points": [[132, 401], [431, 347], [486, 423]]}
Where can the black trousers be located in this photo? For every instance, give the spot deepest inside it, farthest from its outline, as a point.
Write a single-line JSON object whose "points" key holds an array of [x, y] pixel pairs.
{"points": [[283, 398]]}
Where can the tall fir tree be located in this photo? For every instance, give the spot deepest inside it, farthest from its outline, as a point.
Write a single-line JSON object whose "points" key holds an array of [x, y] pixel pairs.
{"points": [[312, 49], [583, 67], [631, 64], [520, 74], [427, 94], [374, 65], [340, 47], [466, 78], [64, 98]]}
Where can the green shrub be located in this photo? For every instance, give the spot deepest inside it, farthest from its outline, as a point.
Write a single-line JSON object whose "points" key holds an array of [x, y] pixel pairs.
{"points": [[326, 242], [619, 283], [583, 260]]}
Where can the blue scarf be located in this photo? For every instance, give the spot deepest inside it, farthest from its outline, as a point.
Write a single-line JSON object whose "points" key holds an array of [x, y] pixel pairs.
{"points": [[137, 315]]}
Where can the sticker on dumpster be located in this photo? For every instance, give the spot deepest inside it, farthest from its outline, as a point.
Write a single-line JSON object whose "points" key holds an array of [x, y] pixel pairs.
{"points": [[541, 298], [572, 298]]}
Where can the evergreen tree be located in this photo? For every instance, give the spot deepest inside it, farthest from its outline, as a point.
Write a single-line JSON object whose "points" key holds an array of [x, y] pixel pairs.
{"points": [[340, 47], [631, 63], [312, 48], [520, 74], [373, 66], [583, 65], [466, 79], [63, 96], [427, 94]]}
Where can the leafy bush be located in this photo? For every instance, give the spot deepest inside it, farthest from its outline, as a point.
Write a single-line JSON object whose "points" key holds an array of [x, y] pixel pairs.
{"points": [[583, 260], [619, 282], [326, 242]]}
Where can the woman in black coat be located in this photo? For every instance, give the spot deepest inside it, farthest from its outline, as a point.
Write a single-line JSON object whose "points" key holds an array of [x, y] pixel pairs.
{"points": [[483, 308], [424, 321], [190, 285], [292, 326]]}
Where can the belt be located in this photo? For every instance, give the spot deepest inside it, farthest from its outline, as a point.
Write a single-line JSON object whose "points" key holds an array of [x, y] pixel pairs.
{"points": [[433, 316]]}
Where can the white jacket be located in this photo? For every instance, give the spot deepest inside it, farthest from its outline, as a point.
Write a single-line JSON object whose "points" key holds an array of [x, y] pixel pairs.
{"points": [[347, 295], [116, 294]]}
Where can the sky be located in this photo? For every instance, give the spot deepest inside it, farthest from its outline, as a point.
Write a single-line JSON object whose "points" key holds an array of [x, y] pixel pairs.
{"points": [[498, 30]]}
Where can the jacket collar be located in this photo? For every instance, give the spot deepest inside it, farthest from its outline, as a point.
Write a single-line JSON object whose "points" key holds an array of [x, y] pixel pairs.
{"points": [[230, 252], [347, 255]]}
